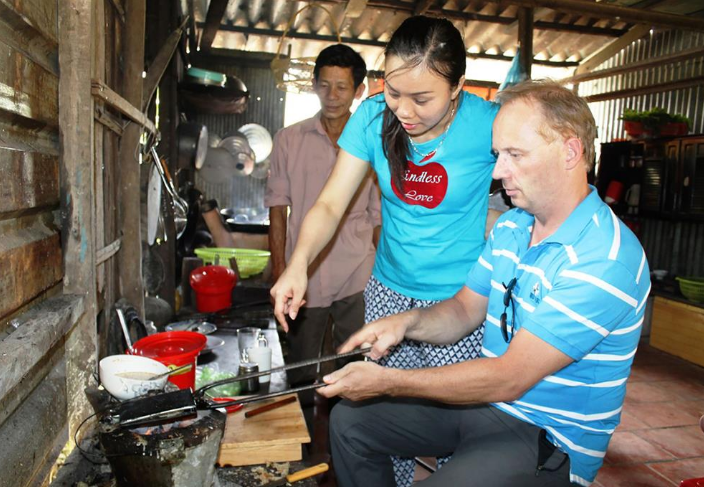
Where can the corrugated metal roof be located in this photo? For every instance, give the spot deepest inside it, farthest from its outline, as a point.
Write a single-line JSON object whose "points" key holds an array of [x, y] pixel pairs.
{"points": [[490, 28]]}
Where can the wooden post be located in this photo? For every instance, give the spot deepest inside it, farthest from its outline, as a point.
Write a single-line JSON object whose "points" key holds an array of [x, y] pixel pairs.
{"points": [[77, 176], [525, 39], [130, 255]]}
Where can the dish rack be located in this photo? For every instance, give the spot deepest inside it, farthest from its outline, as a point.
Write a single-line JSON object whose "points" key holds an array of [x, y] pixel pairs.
{"points": [[250, 262]]}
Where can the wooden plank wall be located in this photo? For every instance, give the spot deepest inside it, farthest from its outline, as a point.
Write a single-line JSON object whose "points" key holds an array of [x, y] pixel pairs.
{"points": [[30, 250], [59, 217]]}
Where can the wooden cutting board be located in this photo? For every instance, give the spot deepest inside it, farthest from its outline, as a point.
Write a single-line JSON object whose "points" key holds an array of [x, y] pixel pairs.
{"points": [[274, 436]]}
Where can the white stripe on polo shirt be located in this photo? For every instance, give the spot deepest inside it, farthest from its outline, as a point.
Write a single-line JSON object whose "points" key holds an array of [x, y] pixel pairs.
{"points": [[640, 269], [570, 414], [574, 383], [582, 426], [483, 262], [576, 316], [628, 329], [601, 284], [605, 357], [507, 254], [538, 272], [616, 243]]}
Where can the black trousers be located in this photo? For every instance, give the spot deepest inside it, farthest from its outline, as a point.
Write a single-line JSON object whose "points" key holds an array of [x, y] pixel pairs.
{"points": [[489, 447], [307, 331]]}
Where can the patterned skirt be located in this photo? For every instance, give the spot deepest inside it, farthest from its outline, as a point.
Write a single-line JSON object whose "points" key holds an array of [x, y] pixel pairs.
{"points": [[380, 301]]}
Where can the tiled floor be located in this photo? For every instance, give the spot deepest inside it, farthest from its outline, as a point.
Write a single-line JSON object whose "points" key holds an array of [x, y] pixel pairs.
{"points": [[659, 441]]}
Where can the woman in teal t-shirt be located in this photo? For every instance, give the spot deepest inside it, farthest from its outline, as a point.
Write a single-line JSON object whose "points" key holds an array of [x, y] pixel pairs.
{"points": [[429, 143]]}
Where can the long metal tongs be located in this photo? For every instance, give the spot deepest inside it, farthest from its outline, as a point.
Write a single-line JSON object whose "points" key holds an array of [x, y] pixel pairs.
{"points": [[182, 403], [180, 205], [202, 402]]}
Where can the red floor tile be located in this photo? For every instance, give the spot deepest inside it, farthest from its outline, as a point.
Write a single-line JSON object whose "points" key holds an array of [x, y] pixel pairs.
{"points": [[627, 447], [683, 389], [682, 442], [630, 423], [680, 469], [663, 372], [631, 476], [661, 414], [647, 392]]}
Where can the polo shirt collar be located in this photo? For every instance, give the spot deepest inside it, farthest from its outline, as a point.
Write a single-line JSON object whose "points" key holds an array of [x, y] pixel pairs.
{"points": [[571, 228], [313, 124]]}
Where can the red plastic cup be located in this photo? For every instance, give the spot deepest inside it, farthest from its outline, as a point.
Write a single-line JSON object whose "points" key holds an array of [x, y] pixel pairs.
{"points": [[173, 349], [213, 286]]}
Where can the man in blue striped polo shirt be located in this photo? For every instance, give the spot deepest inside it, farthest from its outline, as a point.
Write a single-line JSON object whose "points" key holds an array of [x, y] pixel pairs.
{"points": [[561, 287]]}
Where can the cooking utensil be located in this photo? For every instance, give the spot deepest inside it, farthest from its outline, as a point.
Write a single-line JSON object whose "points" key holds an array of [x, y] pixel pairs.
{"points": [[269, 407], [259, 140], [153, 205], [300, 475], [203, 327], [184, 402], [200, 393], [179, 204], [212, 344], [125, 331], [171, 371]]}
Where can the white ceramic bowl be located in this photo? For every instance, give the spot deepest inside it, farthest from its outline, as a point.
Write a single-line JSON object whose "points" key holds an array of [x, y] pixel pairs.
{"points": [[125, 376]]}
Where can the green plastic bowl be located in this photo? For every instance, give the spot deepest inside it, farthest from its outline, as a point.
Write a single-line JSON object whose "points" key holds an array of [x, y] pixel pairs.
{"points": [[692, 288], [250, 262]]}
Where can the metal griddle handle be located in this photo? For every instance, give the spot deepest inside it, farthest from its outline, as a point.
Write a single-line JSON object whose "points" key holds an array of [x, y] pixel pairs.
{"points": [[200, 392]]}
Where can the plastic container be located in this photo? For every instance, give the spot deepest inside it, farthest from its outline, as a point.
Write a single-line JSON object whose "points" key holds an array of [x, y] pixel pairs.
{"points": [[249, 261], [692, 288], [213, 286], [173, 349]]}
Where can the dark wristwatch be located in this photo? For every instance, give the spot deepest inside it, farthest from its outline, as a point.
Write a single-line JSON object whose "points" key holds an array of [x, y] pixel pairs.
{"points": [[208, 205]]}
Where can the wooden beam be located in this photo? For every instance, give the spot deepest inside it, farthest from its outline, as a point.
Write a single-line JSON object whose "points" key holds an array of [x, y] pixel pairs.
{"points": [[578, 29], [107, 120], [213, 19], [102, 91], [108, 251], [610, 50], [129, 189], [117, 5], [646, 90], [77, 176], [422, 6], [160, 63], [685, 55], [602, 10], [525, 39]]}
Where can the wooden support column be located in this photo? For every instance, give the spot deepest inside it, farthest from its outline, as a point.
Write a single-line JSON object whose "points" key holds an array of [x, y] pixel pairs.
{"points": [[77, 176], [525, 39], [130, 255]]}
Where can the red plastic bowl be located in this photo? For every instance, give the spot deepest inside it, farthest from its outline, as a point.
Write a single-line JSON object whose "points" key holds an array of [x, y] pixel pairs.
{"points": [[213, 286], [173, 349]]}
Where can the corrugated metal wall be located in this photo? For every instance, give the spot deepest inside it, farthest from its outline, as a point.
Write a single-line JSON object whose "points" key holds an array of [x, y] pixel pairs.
{"points": [[688, 101], [266, 108], [676, 246]]}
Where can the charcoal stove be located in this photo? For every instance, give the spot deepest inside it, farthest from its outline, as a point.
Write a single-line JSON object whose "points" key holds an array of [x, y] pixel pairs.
{"points": [[179, 453]]}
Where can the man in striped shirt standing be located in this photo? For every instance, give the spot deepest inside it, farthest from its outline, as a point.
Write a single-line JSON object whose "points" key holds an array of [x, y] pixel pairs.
{"points": [[561, 287]]}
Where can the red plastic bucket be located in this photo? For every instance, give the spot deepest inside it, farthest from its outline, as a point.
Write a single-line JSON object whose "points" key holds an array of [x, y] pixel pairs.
{"points": [[173, 349], [213, 287]]}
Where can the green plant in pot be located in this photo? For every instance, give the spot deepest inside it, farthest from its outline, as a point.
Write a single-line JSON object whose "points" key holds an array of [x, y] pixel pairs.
{"points": [[656, 121]]}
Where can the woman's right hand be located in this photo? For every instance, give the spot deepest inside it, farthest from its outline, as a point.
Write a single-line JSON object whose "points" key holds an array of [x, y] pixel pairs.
{"points": [[288, 294]]}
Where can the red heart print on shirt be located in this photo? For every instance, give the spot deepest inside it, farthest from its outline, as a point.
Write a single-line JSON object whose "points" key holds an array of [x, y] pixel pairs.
{"points": [[424, 185]]}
